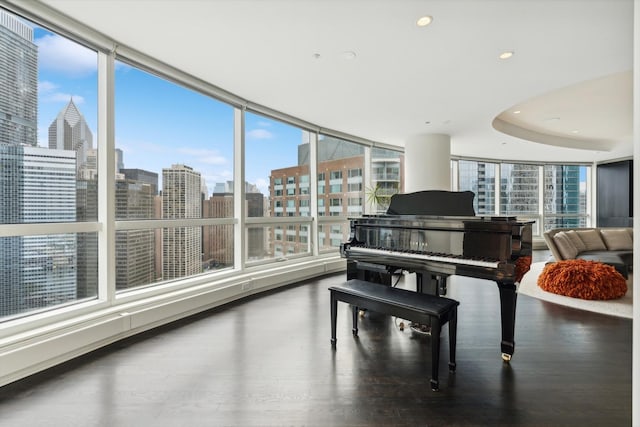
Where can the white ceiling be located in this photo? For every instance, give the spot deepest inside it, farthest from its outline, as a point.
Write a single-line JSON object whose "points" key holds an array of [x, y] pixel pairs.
{"points": [[570, 76]]}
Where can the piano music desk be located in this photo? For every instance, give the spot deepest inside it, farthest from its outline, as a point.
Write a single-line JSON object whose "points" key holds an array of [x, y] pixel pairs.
{"points": [[417, 307]]}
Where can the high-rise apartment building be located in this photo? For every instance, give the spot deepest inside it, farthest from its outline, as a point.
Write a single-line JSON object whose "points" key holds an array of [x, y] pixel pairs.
{"points": [[18, 82], [138, 252], [181, 198], [217, 240], [341, 190], [135, 249]]}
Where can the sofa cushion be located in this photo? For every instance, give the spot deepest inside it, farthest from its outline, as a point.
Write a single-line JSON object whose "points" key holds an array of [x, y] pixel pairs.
{"points": [[576, 240], [564, 245], [616, 239], [592, 240], [607, 257]]}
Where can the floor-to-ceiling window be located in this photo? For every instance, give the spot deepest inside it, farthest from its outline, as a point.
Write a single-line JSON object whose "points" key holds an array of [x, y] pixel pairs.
{"points": [[173, 180], [552, 195], [565, 196], [48, 174], [278, 187], [479, 177]]}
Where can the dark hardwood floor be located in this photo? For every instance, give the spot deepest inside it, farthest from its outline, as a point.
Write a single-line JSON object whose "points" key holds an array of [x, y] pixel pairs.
{"points": [[267, 361]]}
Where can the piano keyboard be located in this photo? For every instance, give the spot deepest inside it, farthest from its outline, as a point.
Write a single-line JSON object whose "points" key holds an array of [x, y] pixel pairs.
{"points": [[423, 256]]}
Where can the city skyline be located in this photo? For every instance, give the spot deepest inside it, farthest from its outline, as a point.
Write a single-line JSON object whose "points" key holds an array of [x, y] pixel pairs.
{"points": [[151, 130]]}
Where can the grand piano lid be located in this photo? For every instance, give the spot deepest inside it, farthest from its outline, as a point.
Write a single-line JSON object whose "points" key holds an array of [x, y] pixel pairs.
{"points": [[433, 203]]}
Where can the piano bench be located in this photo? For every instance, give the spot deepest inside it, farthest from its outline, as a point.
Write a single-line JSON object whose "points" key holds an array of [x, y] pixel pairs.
{"points": [[410, 305]]}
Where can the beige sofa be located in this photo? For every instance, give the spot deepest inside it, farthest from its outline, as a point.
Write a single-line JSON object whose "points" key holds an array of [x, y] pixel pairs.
{"points": [[609, 245]]}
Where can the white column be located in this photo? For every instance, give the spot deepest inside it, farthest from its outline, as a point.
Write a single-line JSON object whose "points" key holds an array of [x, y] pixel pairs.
{"points": [[427, 162]]}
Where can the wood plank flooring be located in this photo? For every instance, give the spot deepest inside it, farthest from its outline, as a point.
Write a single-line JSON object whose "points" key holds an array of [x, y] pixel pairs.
{"points": [[267, 361]]}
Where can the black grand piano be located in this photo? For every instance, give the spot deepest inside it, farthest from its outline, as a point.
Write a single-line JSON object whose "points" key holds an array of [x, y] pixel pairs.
{"points": [[436, 234]]}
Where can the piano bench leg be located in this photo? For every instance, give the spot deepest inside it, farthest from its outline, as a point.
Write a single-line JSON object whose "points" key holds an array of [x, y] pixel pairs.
{"points": [[354, 314], [334, 319], [453, 332], [435, 352]]}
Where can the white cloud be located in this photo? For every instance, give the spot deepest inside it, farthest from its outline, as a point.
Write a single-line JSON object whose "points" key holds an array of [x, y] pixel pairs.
{"points": [[47, 93], [214, 160], [209, 157], [63, 97], [139, 148], [57, 53], [45, 86], [259, 134]]}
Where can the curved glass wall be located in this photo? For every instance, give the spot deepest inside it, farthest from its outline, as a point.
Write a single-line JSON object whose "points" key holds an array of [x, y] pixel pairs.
{"points": [[174, 217], [174, 162], [48, 170], [552, 195]]}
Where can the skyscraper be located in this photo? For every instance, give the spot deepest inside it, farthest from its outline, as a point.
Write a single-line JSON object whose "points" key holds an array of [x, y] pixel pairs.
{"points": [[136, 190], [181, 198], [39, 185], [36, 185], [69, 131], [217, 240], [18, 82]]}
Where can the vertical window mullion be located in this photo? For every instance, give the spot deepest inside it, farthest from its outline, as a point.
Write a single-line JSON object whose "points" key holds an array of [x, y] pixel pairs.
{"points": [[239, 212], [106, 176]]}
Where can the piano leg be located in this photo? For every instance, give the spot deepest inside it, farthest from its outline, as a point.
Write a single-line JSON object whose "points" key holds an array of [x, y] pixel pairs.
{"points": [[508, 298], [432, 284]]}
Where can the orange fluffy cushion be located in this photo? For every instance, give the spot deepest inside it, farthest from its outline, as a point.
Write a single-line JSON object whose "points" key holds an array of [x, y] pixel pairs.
{"points": [[584, 279]]}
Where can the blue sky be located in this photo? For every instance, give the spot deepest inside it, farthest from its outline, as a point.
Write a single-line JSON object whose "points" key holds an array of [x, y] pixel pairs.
{"points": [[157, 122]]}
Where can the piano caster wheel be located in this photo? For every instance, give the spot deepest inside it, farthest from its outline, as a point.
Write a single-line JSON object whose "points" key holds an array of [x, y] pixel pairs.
{"points": [[434, 385], [361, 313], [401, 326], [506, 357]]}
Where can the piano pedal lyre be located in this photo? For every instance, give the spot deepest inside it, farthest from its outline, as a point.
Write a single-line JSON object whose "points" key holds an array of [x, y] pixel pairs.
{"points": [[420, 328]]}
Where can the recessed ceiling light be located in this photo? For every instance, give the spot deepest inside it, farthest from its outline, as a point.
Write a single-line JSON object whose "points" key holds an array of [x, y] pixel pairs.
{"points": [[516, 112], [316, 56], [575, 131], [349, 54], [427, 122], [506, 54], [424, 21]]}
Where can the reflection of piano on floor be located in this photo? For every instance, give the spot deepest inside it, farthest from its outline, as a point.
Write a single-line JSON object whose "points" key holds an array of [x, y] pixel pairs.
{"points": [[436, 234]]}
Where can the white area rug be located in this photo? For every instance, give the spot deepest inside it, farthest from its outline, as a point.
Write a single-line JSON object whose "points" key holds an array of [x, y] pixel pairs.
{"points": [[622, 307]]}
